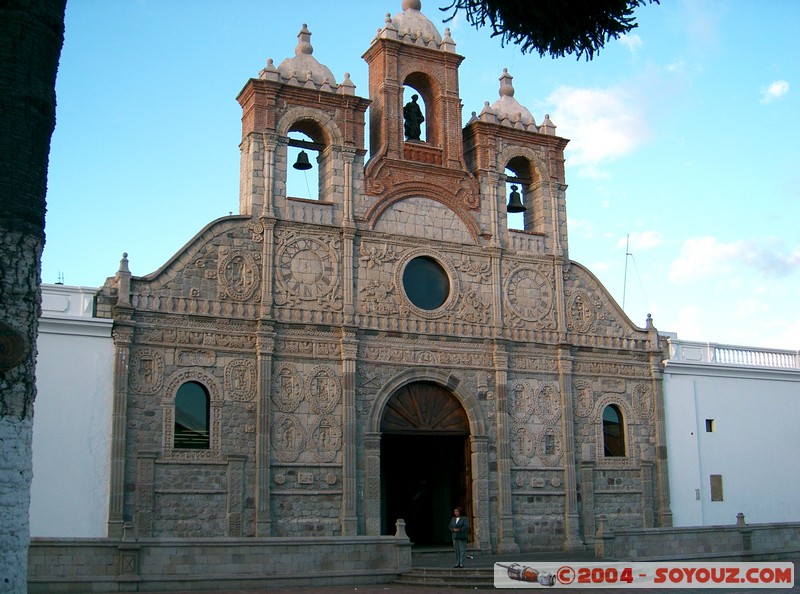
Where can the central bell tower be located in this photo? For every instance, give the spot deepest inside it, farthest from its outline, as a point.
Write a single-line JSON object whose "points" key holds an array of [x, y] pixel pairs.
{"points": [[410, 52]]}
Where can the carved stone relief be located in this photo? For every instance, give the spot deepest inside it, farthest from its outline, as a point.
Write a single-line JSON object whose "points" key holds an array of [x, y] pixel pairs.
{"points": [[529, 295], [287, 387], [522, 445], [522, 402], [288, 438], [581, 310], [326, 439], [240, 380], [324, 390], [195, 358], [583, 397], [549, 447], [548, 402], [643, 401], [238, 274], [146, 371], [308, 270]]}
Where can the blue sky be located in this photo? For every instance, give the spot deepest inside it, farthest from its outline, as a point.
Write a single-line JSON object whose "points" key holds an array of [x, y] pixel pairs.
{"points": [[684, 138]]}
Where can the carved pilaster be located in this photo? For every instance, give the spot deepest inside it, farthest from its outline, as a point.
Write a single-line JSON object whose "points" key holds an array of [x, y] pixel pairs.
{"points": [[372, 483], [505, 529], [122, 335], [571, 518], [266, 347], [350, 451]]}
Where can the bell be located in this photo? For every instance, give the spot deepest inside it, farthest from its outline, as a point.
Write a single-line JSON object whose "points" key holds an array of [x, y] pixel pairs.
{"points": [[302, 161], [515, 201]]}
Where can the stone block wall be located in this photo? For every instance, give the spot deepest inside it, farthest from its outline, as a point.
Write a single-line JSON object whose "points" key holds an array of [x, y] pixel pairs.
{"points": [[162, 565]]}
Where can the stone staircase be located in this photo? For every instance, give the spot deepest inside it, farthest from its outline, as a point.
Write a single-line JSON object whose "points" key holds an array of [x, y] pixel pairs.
{"points": [[432, 569], [440, 578]]}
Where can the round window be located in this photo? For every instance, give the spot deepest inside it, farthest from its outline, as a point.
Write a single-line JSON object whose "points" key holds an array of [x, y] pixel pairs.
{"points": [[426, 283]]}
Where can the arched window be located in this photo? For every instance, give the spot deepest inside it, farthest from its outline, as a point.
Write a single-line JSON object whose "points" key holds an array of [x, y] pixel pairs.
{"points": [[191, 417], [613, 432]]}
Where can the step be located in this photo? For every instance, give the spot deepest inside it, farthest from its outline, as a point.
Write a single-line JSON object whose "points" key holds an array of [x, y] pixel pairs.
{"points": [[479, 579]]}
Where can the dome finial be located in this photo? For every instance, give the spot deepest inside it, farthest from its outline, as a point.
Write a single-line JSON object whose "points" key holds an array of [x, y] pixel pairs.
{"points": [[506, 88], [304, 42], [412, 4]]}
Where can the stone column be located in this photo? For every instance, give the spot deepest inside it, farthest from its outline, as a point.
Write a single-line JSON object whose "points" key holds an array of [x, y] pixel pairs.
{"points": [[349, 445], [266, 347], [646, 477], [505, 527]]}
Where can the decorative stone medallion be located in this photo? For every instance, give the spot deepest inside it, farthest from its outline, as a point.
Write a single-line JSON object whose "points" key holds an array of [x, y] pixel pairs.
{"points": [[238, 274], [643, 401], [146, 371], [240, 380], [287, 388], [288, 438], [307, 270], [522, 445], [326, 439], [529, 294], [324, 390]]}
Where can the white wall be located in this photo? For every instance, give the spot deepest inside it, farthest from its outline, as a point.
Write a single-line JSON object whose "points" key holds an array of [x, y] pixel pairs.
{"points": [[72, 416], [755, 405]]}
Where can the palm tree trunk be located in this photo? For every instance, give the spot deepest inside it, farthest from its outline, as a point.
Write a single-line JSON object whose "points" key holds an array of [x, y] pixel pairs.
{"points": [[31, 36]]}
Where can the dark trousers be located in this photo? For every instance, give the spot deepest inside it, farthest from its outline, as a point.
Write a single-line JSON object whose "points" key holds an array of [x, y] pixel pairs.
{"points": [[460, 547]]}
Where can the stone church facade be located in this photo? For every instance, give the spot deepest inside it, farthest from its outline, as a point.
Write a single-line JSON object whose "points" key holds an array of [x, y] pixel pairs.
{"points": [[392, 349]]}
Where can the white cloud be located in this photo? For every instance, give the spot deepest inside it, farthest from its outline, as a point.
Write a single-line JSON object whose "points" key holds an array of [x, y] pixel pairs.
{"points": [[633, 42], [774, 91], [603, 125], [641, 240], [703, 257]]}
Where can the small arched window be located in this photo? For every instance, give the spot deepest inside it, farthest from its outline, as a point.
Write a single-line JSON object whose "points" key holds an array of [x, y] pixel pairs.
{"points": [[613, 432], [192, 417]]}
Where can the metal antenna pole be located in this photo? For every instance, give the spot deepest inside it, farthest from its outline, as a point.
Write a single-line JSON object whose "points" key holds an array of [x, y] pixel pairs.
{"points": [[625, 279]]}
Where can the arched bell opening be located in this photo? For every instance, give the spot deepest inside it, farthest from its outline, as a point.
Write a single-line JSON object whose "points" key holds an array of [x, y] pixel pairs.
{"points": [[523, 206], [425, 462], [306, 160]]}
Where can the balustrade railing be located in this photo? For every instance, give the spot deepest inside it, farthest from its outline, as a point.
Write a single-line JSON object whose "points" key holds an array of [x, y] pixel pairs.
{"points": [[725, 354]]}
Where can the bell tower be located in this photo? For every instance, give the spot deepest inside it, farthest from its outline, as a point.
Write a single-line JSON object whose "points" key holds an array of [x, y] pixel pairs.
{"points": [[410, 52]]}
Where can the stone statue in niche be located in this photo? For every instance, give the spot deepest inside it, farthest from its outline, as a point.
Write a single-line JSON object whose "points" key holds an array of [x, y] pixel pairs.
{"points": [[412, 114]]}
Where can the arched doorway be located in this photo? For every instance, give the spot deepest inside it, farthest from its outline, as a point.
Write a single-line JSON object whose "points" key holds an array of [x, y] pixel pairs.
{"points": [[425, 462]]}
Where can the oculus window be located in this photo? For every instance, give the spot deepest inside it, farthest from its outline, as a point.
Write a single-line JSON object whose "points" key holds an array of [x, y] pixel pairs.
{"points": [[426, 283]]}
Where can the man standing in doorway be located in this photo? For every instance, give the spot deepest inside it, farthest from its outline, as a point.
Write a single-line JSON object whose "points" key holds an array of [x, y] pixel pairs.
{"points": [[459, 530]]}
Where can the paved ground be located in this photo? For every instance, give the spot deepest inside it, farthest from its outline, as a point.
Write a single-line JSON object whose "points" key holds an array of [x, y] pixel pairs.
{"points": [[444, 559]]}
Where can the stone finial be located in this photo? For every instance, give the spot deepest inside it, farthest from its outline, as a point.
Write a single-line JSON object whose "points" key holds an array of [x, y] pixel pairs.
{"points": [[547, 127], [124, 281], [649, 322], [448, 45], [269, 72], [740, 519], [347, 87], [411, 4], [487, 114], [304, 42]]}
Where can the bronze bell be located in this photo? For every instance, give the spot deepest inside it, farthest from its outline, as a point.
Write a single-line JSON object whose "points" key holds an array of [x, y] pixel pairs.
{"points": [[302, 161], [515, 201]]}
